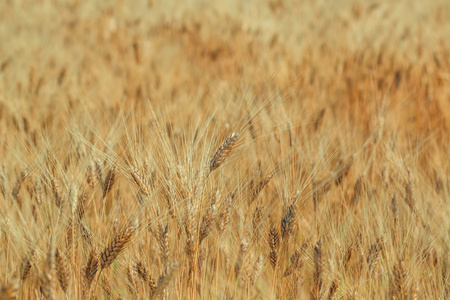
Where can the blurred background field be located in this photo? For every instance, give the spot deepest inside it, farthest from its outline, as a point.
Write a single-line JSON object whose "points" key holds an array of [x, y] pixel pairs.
{"points": [[355, 110]]}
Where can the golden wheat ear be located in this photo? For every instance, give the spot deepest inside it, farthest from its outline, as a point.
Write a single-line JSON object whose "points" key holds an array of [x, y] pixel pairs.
{"points": [[295, 261], [91, 267], [400, 277], [110, 179], [48, 276], [223, 152], [115, 247], [62, 270], [25, 266]]}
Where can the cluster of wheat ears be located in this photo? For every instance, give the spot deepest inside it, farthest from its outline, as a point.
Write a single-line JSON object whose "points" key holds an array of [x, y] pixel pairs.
{"points": [[152, 155], [186, 220]]}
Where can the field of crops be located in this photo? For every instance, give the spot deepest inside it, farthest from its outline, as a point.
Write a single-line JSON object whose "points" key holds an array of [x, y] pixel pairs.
{"points": [[224, 150]]}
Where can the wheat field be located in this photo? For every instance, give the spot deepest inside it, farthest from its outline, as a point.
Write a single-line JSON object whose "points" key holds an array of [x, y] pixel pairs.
{"points": [[224, 150]]}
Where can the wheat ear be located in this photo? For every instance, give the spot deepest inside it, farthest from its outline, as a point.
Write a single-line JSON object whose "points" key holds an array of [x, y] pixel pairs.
{"points": [[115, 247], [91, 267], [62, 270], [109, 181], [223, 152]]}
